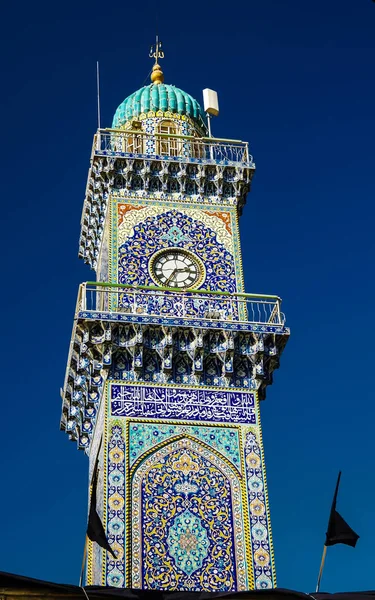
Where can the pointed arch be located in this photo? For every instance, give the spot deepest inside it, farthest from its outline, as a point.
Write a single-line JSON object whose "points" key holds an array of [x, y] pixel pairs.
{"points": [[176, 438], [183, 495]]}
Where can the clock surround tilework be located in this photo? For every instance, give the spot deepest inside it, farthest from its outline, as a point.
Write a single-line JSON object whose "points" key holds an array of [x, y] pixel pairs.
{"points": [[174, 229], [122, 227], [134, 448], [139, 229]]}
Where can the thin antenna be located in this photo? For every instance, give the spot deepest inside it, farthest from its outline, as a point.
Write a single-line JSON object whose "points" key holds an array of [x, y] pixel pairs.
{"points": [[98, 91]]}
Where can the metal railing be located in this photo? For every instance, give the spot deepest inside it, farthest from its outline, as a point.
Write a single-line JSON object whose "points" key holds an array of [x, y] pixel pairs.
{"points": [[171, 302], [113, 142]]}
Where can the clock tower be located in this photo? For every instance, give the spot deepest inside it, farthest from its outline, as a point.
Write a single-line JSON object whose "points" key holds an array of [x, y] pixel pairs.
{"points": [[170, 357]]}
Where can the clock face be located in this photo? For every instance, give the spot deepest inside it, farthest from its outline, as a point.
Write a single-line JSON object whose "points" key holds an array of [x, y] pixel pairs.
{"points": [[176, 268]]}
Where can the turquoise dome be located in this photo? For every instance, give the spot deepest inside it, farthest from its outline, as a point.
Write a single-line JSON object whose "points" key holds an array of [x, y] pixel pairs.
{"points": [[158, 97]]}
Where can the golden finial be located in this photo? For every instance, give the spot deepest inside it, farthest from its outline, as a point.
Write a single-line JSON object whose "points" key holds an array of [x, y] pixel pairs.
{"points": [[156, 52]]}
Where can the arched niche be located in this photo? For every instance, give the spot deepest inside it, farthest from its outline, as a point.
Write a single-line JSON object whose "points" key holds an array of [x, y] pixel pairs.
{"points": [[187, 520]]}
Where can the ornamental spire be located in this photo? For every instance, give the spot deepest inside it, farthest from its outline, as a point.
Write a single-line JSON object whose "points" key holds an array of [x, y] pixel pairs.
{"points": [[156, 52]]}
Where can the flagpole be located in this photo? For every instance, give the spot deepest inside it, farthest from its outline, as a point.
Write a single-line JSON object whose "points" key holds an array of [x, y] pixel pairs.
{"points": [[338, 532], [83, 562], [321, 568]]}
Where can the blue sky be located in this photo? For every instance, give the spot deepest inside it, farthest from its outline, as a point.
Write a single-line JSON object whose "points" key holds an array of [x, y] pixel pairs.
{"points": [[294, 78]]}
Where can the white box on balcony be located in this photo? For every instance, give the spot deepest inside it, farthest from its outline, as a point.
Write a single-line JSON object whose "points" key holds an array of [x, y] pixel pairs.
{"points": [[210, 102]]}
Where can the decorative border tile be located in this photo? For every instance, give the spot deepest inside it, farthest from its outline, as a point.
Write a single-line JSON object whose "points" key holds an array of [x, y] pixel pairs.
{"points": [[181, 322], [208, 405]]}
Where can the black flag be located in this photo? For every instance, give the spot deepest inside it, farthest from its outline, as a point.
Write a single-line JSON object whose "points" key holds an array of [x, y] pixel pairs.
{"points": [[95, 529], [338, 531]]}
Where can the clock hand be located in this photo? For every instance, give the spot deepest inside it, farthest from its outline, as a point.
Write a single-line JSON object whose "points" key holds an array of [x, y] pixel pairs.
{"points": [[171, 277], [184, 270]]}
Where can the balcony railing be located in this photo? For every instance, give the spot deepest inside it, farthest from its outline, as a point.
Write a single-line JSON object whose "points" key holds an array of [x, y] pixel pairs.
{"points": [[170, 302], [112, 142]]}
